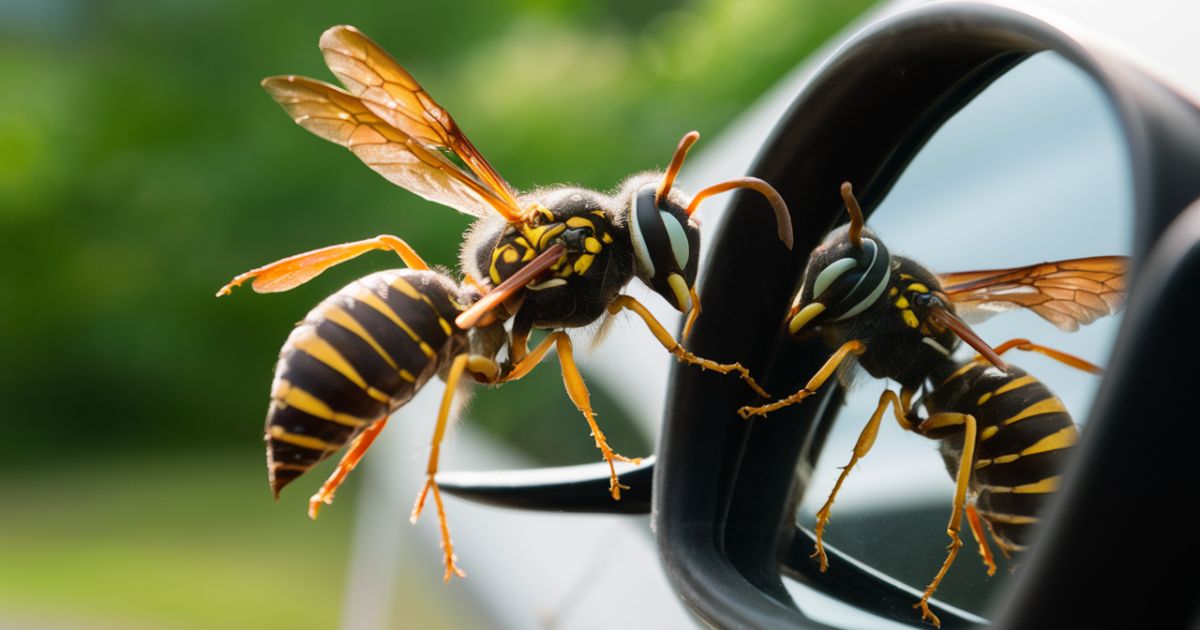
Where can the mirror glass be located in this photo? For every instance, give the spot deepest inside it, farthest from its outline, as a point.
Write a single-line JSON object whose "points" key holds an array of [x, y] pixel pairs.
{"points": [[1033, 169]]}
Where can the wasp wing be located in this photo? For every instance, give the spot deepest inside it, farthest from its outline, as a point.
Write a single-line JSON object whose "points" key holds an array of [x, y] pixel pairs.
{"points": [[1067, 293], [388, 90], [333, 114]]}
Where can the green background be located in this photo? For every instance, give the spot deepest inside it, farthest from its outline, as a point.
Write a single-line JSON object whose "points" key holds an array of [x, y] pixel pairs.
{"points": [[142, 166]]}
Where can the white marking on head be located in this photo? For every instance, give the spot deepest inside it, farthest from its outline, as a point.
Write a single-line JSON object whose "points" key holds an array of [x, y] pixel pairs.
{"points": [[678, 238], [832, 272]]}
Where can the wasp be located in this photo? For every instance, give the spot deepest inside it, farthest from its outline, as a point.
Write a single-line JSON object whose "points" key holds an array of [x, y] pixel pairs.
{"points": [[1005, 438], [553, 259]]}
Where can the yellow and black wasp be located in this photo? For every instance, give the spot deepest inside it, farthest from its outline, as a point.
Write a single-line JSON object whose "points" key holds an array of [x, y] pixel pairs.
{"points": [[1004, 436], [553, 259]]}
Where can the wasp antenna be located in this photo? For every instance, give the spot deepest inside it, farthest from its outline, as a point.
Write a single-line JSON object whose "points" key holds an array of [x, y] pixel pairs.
{"points": [[783, 218], [664, 187], [856, 214]]}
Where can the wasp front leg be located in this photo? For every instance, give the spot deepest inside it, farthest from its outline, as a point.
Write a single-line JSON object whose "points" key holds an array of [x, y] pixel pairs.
{"points": [[660, 333], [850, 347], [866, 440]]}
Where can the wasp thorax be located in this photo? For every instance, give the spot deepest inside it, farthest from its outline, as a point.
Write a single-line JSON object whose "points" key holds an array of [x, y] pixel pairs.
{"points": [[666, 245], [841, 281]]}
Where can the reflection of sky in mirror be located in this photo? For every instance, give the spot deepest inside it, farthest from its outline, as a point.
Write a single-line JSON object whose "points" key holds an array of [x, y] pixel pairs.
{"points": [[1031, 170]]}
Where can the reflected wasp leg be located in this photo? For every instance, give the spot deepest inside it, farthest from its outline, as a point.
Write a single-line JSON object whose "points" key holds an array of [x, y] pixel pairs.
{"points": [[1058, 355], [965, 466], [866, 440], [349, 461], [489, 370], [985, 551], [853, 346], [293, 271], [672, 346]]}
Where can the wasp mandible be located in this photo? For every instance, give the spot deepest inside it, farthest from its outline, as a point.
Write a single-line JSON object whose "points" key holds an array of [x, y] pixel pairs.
{"points": [[553, 259], [1004, 436]]}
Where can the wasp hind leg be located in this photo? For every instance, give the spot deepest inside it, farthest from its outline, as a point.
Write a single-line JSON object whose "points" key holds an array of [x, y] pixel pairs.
{"points": [[965, 467], [672, 346], [866, 440], [977, 530], [350, 460], [293, 271], [822, 375]]}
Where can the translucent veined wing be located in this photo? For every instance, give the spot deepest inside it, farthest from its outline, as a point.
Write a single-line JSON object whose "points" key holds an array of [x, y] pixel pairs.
{"points": [[1067, 293], [331, 113], [388, 90]]}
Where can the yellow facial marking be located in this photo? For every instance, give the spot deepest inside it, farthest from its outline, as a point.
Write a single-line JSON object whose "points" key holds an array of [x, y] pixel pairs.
{"points": [[804, 316], [893, 291], [918, 287], [579, 222], [910, 319], [607, 238], [901, 302], [679, 288], [592, 245], [510, 255]]}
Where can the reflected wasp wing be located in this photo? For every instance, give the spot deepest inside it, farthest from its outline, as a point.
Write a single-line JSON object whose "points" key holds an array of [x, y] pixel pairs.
{"points": [[388, 90], [1067, 293], [336, 116]]}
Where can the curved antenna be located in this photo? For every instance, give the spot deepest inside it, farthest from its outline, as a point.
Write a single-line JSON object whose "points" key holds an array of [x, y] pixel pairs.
{"points": [[856, 214], [664, 187], [782, 217]]}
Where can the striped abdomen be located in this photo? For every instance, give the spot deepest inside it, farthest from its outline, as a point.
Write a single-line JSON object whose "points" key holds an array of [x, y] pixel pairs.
{"points": [[1024, 440], [358, 356]]}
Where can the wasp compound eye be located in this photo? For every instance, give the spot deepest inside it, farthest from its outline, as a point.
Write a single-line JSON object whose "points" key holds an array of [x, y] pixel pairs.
{"points": [[665, 246]]}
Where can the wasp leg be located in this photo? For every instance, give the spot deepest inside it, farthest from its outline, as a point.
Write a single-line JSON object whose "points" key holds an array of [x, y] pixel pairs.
{"points": [[1058, 355], [358, 448], [578, 392], [853, 346], [487, 368], [672, 346], [866, 440], [980, 537], [965, 467], [293, 271]]}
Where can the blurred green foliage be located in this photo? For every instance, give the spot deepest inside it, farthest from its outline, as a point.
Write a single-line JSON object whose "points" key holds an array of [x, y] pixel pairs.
{"points": [[141, 166]]}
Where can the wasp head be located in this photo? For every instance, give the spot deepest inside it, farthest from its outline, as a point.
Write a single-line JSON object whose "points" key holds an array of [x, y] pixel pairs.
{"points": [[666, 242], [842, 279]]}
